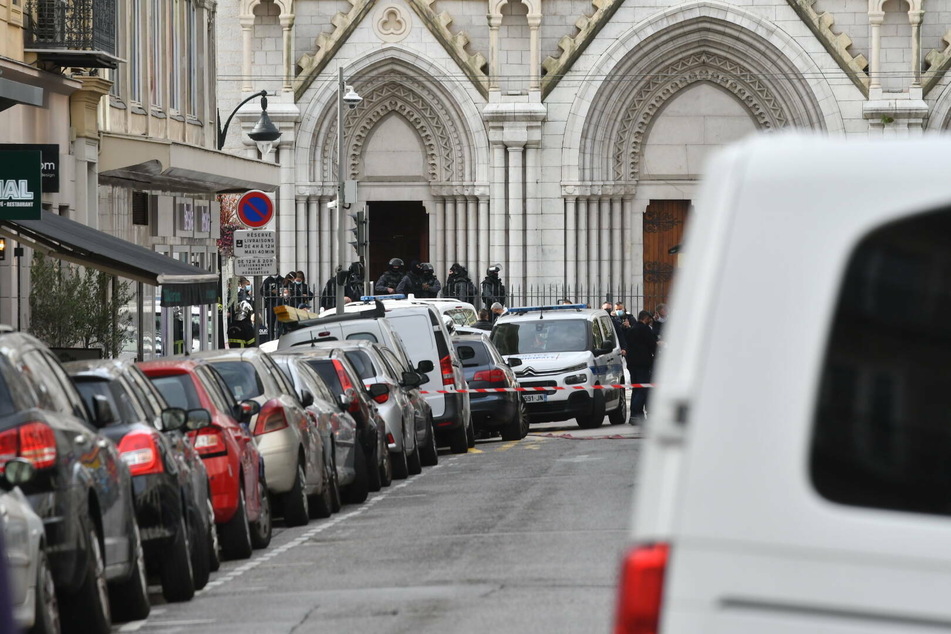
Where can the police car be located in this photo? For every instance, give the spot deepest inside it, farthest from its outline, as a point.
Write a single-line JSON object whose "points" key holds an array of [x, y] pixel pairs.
{"points": [[571, 347]]}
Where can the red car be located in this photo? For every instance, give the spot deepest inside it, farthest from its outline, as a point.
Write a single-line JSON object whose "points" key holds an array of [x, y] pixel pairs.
{"points": [[235, 468]]}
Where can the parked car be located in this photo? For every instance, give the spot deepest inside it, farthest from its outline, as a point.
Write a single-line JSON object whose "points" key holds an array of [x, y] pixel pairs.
{"points": [[425, 432], [291, 445], [337, 429], [394, 404], [372, 460], [795, 478], [82, 489], [371, 326], [169, 480], [234, 465], [492, 412], [421, 328], [569, 347], [32, 591]]}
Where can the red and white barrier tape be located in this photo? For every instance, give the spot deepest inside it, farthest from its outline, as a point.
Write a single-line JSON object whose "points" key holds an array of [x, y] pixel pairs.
{"points": [[486, 390]]}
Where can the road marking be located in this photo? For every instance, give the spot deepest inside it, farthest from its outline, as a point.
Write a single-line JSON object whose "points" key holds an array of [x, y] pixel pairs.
{"points": [[507, 446], [471, 450]]}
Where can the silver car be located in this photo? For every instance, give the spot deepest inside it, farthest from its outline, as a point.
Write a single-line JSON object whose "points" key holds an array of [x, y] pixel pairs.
{"points": [[31, 581], [395, 406]]}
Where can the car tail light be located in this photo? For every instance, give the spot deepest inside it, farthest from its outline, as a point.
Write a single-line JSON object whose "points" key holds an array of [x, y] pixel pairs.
{"points": [[140, 453], [445, 366], [34, 442], [347, 385], [382, 398], [490, 376], [210, 442], [640, 590], [389, 438], [271, 418]]}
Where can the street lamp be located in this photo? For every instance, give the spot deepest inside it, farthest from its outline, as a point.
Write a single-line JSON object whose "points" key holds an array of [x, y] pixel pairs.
{"points": [[265, 133], [345, 95]]}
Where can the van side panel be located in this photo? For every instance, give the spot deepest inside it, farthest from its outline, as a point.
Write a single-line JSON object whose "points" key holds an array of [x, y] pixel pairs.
{"points": [[413, 327]]}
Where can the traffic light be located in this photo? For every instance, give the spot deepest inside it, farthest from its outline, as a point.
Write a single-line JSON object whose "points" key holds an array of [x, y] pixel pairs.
{"points": [[361, 239]]}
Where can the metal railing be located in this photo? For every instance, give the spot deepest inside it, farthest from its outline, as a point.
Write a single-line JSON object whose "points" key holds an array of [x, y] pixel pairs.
{"points": [[631, 295], [73, 25]]}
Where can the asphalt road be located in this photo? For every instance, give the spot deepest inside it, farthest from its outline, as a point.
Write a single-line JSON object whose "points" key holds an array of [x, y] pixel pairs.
{"points": [[512, 537]]}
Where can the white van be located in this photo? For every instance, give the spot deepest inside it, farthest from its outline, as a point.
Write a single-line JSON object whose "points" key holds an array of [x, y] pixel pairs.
{"points": [[796, 470]]}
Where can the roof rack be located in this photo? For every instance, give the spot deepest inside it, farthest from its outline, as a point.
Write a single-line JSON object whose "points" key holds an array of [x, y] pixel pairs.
{"points": [[376, 313], [537, 309]]}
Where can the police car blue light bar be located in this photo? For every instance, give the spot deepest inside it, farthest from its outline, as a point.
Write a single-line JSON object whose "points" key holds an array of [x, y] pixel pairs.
{"points": [[371, 298], [536, 309]]}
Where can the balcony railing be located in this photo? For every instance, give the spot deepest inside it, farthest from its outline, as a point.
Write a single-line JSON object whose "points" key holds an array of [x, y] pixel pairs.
{"points": [[72, 33]]}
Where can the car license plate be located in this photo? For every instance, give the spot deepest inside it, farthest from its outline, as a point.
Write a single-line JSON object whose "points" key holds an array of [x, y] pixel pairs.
{"points": [[535, 398]]}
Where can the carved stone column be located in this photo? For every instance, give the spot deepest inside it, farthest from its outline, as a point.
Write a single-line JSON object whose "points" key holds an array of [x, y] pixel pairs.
{"points": [[516, 210], [497, 236], [485, 230], [474, 227], [449, 235], [495, 22], [875, 20], [327, 241], [627, 247], [247, 26], [313, 245], [287, 23], [617, 251], [440, 231], [571, 240], [604, 248], [915, 18], [300, 235]]}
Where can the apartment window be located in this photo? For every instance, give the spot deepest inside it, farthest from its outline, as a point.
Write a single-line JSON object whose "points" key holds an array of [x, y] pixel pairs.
{"points": [[191, 53], [157, 79], [175, 56], [135, 53]]}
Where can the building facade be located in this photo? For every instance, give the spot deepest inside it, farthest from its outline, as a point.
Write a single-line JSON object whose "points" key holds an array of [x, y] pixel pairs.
{"points": [[562, 139]]}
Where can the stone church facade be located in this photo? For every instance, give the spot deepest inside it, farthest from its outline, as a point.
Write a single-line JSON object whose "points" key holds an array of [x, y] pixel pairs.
{"points": [[562, 139]]}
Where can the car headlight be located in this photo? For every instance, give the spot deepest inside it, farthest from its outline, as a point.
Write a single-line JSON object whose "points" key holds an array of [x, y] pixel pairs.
{"points": [[576, 368]]}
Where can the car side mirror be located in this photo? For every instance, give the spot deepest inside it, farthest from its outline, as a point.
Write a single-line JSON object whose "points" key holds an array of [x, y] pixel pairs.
{"points": [[378, 389], [412, 379], [306, 398], [173, 418], [514, 362], [103, 413], [425, 366], [603, 350], [198, 418], [245, 411], [18, 471]]}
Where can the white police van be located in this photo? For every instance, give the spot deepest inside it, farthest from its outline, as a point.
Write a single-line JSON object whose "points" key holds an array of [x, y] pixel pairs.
{"points": [[571, 347]]}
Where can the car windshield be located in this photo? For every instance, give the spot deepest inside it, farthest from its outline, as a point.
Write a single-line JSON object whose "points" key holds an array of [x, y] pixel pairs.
{"points": [[241, 378], [541, 335], [178, 390]]}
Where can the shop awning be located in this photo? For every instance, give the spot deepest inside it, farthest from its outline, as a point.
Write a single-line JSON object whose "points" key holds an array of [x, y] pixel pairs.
{"points": [[182, 284], [165, 165]]}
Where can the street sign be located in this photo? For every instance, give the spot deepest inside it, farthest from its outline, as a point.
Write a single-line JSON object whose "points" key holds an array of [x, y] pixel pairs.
{"points": [[20, 185], [255, 209], [257, 243], [255, 266]]}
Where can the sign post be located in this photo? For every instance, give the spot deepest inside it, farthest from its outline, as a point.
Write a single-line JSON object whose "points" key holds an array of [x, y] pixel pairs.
{"points": [[255, 209], [255, 251]]}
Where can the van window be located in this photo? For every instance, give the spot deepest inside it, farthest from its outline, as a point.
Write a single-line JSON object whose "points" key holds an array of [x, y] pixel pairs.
{"points": [[362, 336], [415, 329], [541, 335], [882, 431]]}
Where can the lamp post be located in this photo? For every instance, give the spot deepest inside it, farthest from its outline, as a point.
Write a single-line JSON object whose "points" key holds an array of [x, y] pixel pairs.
{"points": [[264, 131], [345, 95]]}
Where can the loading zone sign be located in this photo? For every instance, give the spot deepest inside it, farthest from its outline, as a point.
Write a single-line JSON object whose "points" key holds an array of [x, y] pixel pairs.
{"points": [[21, 185], [257, 243]]}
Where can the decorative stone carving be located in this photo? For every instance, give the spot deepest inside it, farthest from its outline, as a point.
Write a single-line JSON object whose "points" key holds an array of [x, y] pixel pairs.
{"points": [[836, 43], [661, 86], [391, 24], [473, 64], [327, 44], [937, 63], [573, 46]]}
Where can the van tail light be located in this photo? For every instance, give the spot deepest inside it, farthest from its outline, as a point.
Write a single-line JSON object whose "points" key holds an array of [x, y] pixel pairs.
{"points": [[445, 366], [490, 376], [271, 418], [641, 589], [210, 442], [139, 451], [35, 442]]}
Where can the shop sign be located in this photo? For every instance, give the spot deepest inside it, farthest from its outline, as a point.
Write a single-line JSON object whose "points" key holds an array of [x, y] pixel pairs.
{"points": [[20, 185], [50, 162]]}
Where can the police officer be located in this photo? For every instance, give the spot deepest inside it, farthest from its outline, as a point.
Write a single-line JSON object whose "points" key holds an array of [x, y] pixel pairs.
{"points": [[352, 290], [412, 282], [493, 290], [459, 285], [430, 286], [390, 279]]}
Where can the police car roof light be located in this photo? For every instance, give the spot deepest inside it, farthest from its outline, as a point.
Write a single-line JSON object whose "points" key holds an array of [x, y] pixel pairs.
{"points": [[370, 298], [535, 309]]}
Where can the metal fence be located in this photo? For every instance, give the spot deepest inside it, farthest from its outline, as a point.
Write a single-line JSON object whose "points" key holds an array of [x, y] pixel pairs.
{"points": [[632, 295]]}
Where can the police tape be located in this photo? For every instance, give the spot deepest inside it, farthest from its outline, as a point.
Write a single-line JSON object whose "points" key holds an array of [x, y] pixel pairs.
{"points": [[489, 390]]}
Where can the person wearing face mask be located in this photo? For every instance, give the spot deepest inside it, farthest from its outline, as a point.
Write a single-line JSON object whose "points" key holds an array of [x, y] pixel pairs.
{"points": [[412, 282], [493, 290], [618, 329]]}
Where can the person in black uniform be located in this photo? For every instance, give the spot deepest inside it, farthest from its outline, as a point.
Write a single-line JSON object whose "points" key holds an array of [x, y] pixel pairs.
{"points": [[390, 279], [641, 348], [493, 290], [459, 286], [430, 285]]}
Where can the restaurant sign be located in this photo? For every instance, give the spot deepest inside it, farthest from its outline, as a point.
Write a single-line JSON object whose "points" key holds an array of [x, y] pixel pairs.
{"points": [[20, 185]]}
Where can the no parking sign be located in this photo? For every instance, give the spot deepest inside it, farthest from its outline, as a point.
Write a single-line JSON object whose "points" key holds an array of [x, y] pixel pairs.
{"points": [[255, 209]]}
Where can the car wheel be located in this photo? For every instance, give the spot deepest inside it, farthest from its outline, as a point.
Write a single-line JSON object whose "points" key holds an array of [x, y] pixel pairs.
{"points": [[263, 527], [87, 610], [45, 606], [335, 492], [413, 460], [214, 545], [470, 435], [400, 463], [596, 418], [619, 415], [386, 466], [130, 598], [357, 491], [375, 469], [459, 440], [321, 505], [296, 512], [512, 430], [201, 564], [177, 574], [235, 534], [430, 454], [523, 416]]}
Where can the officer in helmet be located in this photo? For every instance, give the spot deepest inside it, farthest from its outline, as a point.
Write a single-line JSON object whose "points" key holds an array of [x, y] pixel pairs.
{"points": [[493, 290], [431, 286], [390, 279]]}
